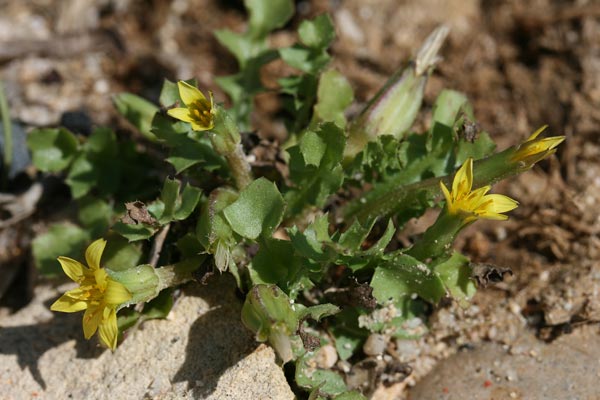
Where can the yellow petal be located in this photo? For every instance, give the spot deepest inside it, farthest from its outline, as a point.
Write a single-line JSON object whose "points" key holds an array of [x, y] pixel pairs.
{"points": [[189, 94], [536, 133], [101, 278], [475, 199], [116, 293], [74, 269], [550, 143], [81, 293], [493, 216], [91, 319], [108, 331], [198, 127], [446, 195], [180, 113], [67, 303], [463, 180], [502, 203], [93, 253]]}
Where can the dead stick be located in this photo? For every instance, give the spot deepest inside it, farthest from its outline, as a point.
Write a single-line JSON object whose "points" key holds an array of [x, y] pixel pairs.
{"points": [[157, 245]]}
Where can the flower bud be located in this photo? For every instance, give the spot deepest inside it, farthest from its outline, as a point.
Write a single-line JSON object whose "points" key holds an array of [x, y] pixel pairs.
{"points": [[394, 108], [141, 281], [268, 313]]}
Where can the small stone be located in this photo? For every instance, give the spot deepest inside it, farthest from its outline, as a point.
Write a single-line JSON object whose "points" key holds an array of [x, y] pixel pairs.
{"points": [[326, 357], [375, 345]]}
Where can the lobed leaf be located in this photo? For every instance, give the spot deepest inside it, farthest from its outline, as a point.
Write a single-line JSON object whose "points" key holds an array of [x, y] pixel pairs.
{"points": [[258, 210]]}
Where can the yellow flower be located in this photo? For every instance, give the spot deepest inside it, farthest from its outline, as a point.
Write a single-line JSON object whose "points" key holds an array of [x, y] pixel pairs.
{"points": [[198, 111], [538, 149], [475, 203], [97, 294]]}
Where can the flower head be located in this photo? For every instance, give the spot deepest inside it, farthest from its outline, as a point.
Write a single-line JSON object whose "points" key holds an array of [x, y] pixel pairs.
{"points": [[534, 150], [475, 204], [198, 110], [98, 294]]}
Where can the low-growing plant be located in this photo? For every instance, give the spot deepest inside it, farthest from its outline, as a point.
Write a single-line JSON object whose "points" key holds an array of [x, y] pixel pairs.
{"points": [[313, 242]]}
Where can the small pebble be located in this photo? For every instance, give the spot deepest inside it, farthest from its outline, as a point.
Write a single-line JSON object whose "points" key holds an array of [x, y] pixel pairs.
{"points": [[326, 357], [375, 345]]}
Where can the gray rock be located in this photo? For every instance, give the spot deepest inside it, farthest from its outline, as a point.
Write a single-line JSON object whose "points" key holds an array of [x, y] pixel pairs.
{"points": [[568, 368], [201, 351]]}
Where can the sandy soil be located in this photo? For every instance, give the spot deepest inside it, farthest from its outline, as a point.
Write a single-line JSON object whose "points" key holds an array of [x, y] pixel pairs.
{"points": [[522, 64]]}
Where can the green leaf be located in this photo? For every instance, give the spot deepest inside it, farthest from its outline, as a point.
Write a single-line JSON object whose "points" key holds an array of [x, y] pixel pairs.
{"points": [[172, 133], [119, 254], [212, 225], [169, 94], [302, 91], [138, 111], [347, 334], [317, 33], [82, 176], [267, 15], [310, 377], [482, 147], [134, 232], [310, 243], [61, 240], [353, 237], [169, 196], [52, 149], [243, 86], [385, 239], [189, 200], [317, 312], [403, 276], [455, 273], [353, 395], [241, 46], [306, 60], [159, 307], [314, 184], [175, 206], [447, 106], [95, 214], [258, 210], [334, 95], [126, 319], [312, 148], [273, 263], [95, 166]]}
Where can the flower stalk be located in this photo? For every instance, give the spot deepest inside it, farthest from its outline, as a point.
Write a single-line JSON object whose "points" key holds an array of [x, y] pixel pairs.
{"points": [[463, 207], [227, 141], [203, 115], [393, 195]]}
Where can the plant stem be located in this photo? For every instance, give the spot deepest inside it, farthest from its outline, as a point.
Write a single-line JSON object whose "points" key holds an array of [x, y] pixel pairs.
{"points": [[240, 168], [438, 238], [227, 141], [7, 128], [391, 196]]}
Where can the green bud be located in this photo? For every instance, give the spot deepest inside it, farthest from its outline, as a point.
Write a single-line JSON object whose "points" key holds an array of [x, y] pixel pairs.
{"points": [[226, 140], [268, 313], [225, 135], [213, 230], [145, 282], [141, 281], [394, 108]]}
